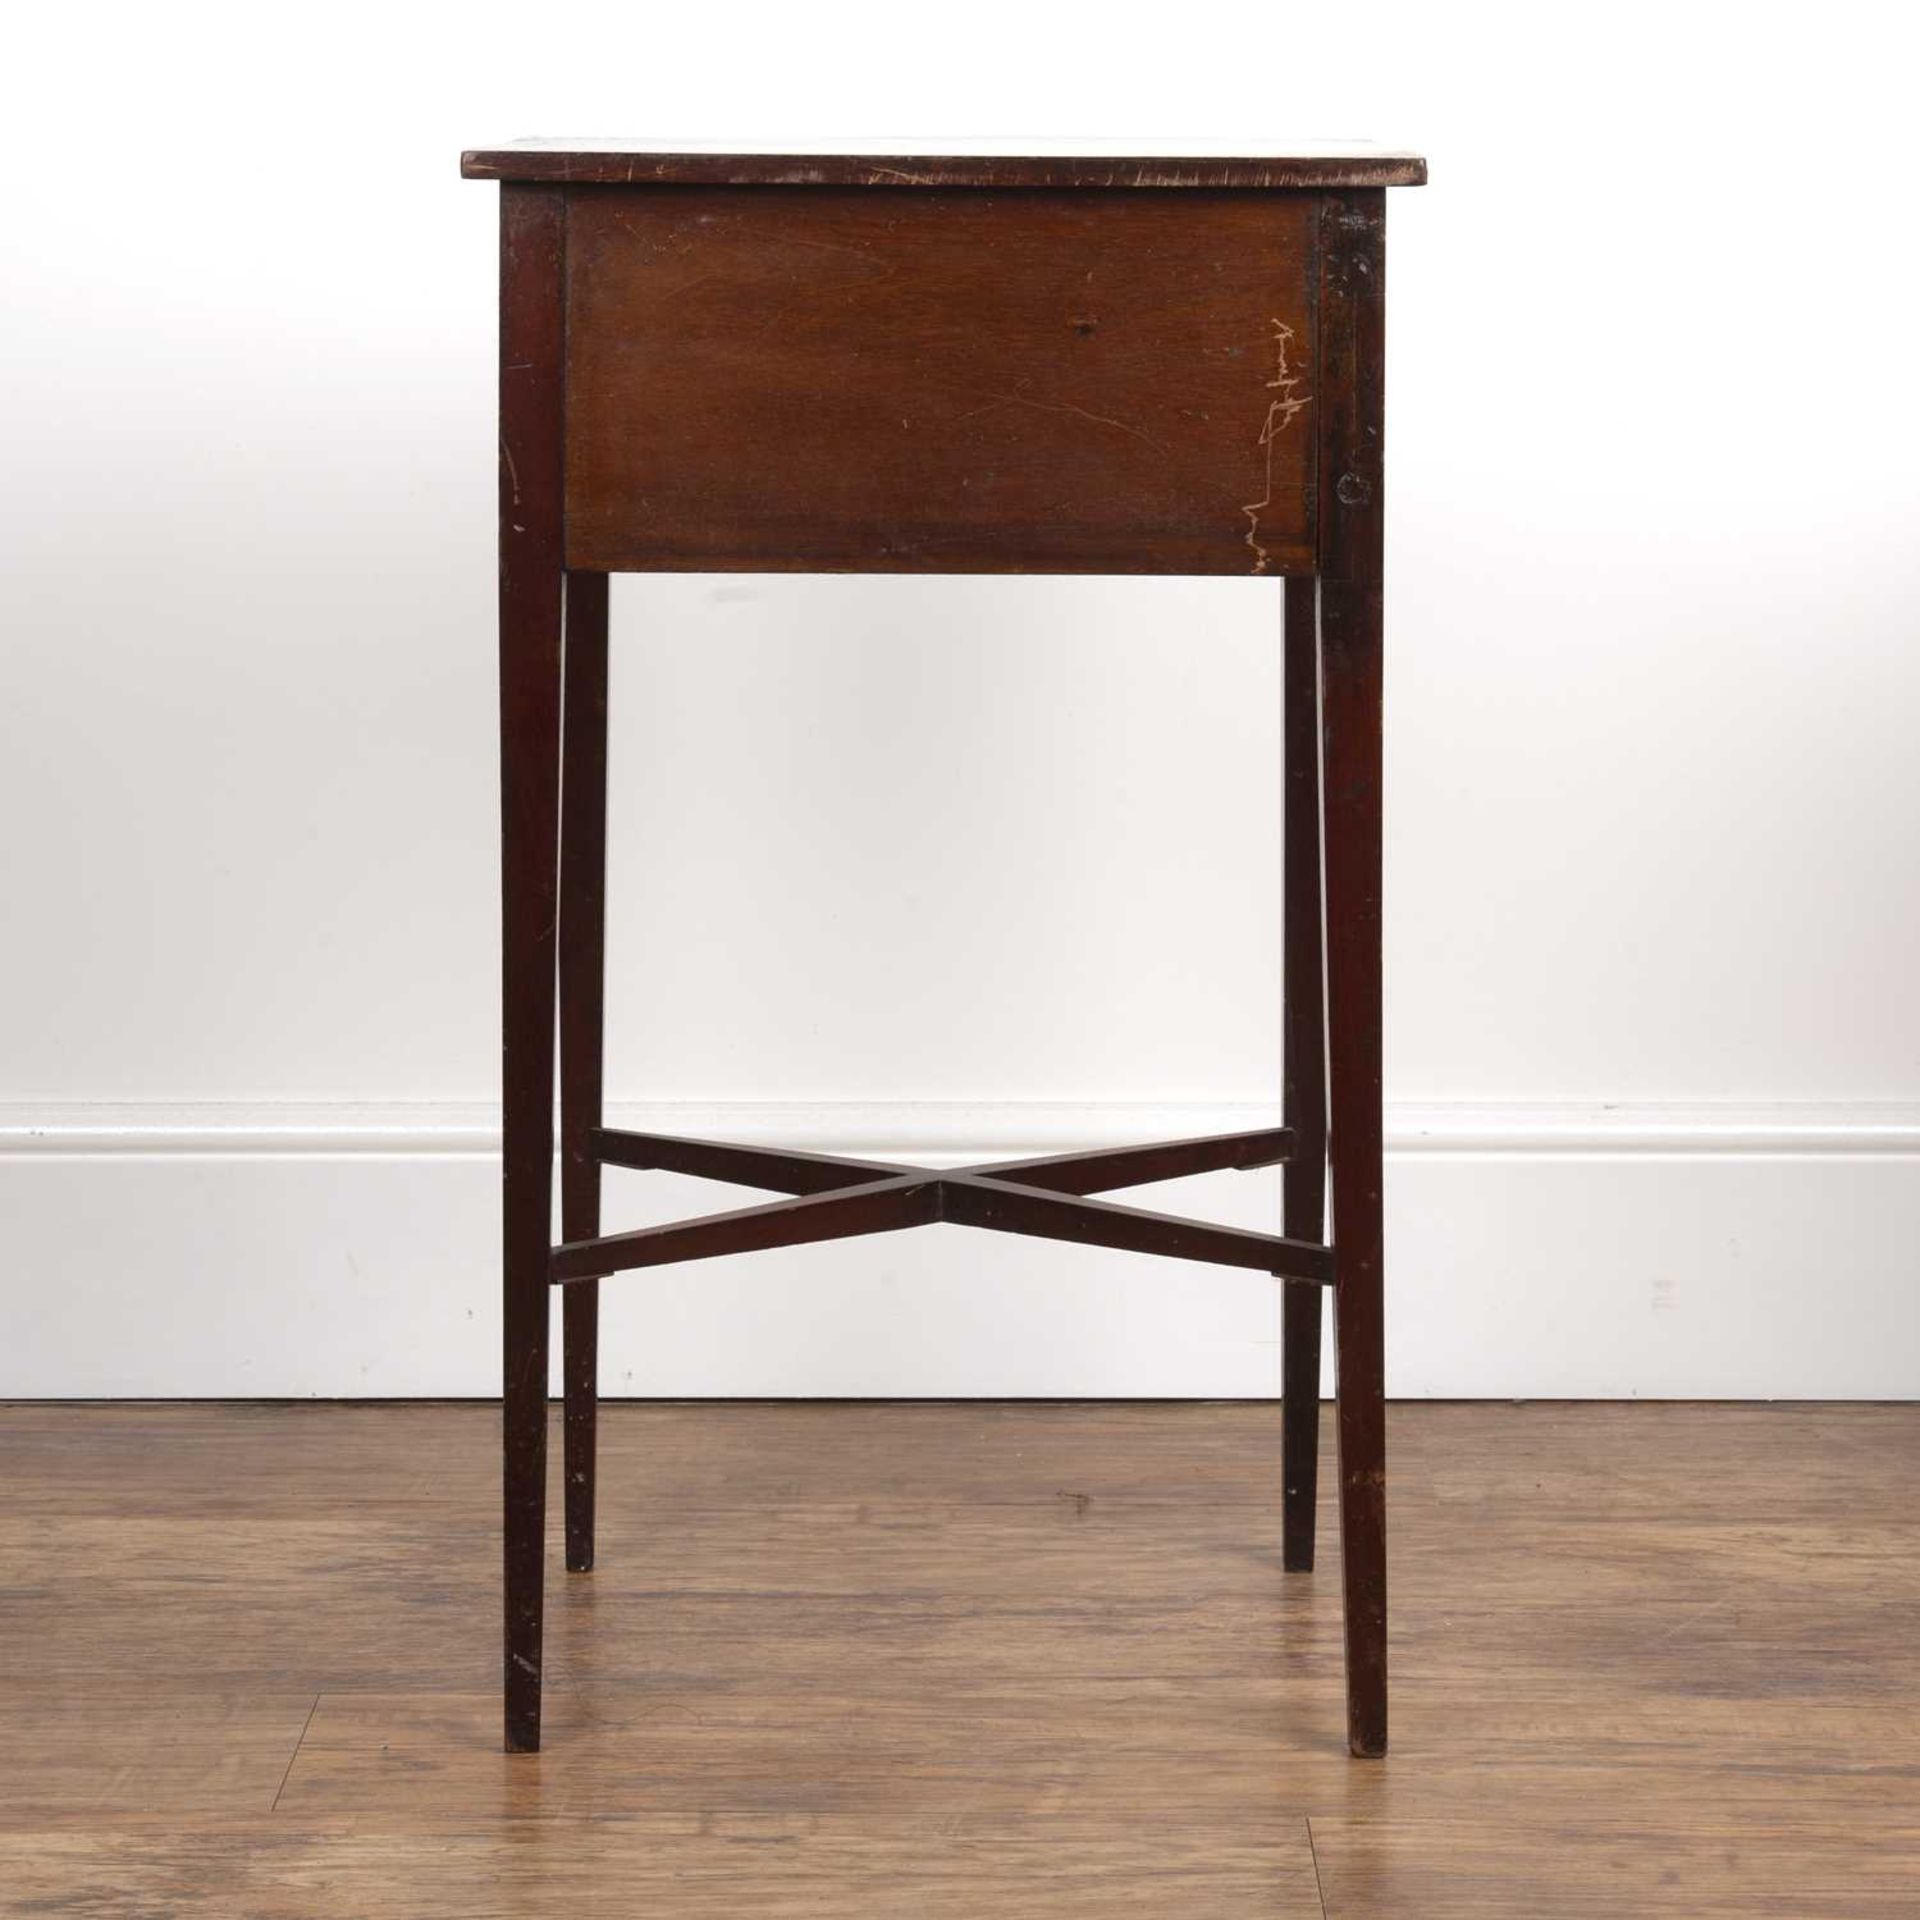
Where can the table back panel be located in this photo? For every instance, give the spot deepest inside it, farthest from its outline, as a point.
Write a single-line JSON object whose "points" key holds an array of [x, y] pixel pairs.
{"points": [[946, 380]]}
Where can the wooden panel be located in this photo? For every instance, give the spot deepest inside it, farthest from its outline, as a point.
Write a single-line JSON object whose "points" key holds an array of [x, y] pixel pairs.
{"points": [[939, 382], [965, 164]]}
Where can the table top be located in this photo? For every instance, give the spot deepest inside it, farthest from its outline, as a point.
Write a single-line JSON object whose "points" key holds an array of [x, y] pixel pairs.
{"points": [[946, 163]]}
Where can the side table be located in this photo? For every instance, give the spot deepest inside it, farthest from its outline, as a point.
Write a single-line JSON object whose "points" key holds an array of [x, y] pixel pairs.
{"points": [[941, 363]]}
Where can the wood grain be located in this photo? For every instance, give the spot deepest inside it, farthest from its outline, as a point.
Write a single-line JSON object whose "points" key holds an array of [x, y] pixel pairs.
{"points": [[695, 1867], [938, 381], [960, 1660]]}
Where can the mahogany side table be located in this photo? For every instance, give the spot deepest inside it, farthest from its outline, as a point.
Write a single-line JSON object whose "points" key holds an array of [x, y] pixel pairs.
{"points": [[985, 363]]}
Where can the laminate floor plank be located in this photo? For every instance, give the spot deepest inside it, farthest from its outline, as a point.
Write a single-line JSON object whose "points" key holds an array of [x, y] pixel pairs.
{"points": [[947, 1660], [701, 1868]]}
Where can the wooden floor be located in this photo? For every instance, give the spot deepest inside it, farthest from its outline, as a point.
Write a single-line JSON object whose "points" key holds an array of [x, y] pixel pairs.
{"points": [[960, 1660]]}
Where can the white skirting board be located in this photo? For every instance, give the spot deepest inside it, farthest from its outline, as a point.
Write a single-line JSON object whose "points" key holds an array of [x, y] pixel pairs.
{"points": [[1533, 1252]]}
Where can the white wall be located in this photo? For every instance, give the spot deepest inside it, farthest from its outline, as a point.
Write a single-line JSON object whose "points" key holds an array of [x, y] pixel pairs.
{"points": [[958, 865]]}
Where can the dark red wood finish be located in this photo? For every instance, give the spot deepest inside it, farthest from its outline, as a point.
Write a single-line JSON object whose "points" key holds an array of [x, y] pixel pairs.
{"points": [[1095, 1172], [1303, 1069], [583, 941], [830, 380], [1351, 362], [840, 1198], [532, 343], [608, 462], [611, 164], [1110, 1167]]}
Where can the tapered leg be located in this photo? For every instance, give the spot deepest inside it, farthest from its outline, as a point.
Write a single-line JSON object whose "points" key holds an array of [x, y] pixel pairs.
{"points": [[1304, 1076], [1352, 321], [532, 240], [583, 875]]}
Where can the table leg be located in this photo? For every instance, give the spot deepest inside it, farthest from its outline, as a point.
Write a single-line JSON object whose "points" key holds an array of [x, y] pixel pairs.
{"points": [[1351, 640], [1304, 1074], [531, 340], [1351, 389], [583, 876]]}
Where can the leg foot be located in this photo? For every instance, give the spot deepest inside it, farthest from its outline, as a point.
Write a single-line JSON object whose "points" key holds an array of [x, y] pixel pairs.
{"points": [[1300, 1426]]}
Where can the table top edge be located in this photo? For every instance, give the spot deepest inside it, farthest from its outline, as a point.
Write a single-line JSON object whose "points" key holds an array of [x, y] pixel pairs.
{"points": [[588, 163]]}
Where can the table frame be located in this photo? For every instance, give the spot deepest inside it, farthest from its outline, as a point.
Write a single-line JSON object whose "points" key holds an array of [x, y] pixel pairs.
{"points": [[553, 714]]}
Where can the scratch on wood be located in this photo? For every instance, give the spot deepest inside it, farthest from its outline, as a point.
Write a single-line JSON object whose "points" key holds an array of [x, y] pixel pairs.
{"points": [[1063, 406], [1286, 403]]}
